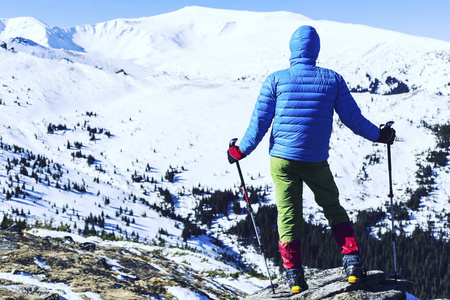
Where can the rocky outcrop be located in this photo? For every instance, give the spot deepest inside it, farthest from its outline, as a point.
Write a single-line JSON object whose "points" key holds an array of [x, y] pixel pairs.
{"points": [[33, 267], [332, 284]]}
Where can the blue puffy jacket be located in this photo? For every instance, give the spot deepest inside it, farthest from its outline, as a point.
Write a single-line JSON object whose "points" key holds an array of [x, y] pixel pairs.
{"points": [[301, 101]]}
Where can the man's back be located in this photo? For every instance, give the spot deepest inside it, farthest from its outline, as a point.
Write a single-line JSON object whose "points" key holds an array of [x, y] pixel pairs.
{"points": [[304, 108], [301, 101]]}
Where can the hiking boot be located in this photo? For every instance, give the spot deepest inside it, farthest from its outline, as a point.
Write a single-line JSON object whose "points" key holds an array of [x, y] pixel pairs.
{"points": [[353, 268], [296, 280]]}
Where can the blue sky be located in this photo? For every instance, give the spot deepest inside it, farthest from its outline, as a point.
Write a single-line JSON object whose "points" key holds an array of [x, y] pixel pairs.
{"points": [[417, 17]]}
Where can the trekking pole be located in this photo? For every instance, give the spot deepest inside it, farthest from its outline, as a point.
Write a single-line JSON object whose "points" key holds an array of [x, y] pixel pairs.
{"points": [[395, 275], [250, 212]]}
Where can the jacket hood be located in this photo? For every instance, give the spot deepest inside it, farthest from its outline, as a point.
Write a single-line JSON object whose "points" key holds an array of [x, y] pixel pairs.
{"points": [[305, 46]]}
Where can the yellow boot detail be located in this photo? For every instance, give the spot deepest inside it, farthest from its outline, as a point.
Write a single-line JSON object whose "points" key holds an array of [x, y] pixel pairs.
{"points": [[296, 289], [353, 279]]}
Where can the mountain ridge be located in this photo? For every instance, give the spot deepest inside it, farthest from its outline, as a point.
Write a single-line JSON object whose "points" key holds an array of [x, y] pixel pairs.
{"points": [[197, 33]]}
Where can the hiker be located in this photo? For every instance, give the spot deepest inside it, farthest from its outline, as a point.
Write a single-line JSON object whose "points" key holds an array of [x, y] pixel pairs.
{"points": [[300, 101]]}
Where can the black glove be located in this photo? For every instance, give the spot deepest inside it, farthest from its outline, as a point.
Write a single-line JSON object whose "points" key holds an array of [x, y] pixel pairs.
{"points": [[387, 135]]}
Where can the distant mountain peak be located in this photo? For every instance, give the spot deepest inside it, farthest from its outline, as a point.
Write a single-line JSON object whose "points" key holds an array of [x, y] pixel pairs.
{"points": [[25, 21], [39, 32]]}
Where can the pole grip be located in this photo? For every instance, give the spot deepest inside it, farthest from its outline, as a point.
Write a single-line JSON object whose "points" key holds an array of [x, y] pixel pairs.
{"points": [[232, 142], [389, 124]]}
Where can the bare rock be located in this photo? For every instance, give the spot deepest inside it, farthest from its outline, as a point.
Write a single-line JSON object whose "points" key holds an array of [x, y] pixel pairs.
{"points": [[6, 246], [14, 228], [29, 290], [88, 246], [332, 284], [53, 297], [114, 272]]}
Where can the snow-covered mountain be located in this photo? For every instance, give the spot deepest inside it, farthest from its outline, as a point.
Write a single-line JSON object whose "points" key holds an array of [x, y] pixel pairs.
{"points": [[203, 42], [97, 118], [39, 32]]}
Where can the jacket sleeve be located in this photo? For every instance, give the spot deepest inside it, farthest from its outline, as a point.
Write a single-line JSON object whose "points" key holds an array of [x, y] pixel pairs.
{"points": [[262, 116], [351, 115]]}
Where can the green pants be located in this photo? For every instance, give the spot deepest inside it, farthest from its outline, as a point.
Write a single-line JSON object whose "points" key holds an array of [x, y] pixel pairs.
{"points": [[288, 177]]}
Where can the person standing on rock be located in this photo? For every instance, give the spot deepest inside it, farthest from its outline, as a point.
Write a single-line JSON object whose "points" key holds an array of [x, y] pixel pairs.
{"points": [[300, 101]]}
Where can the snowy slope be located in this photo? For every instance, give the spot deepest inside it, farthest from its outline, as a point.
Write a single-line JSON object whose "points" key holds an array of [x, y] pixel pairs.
{"points": [[39, 32], [193, 78], [218, 39]]}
